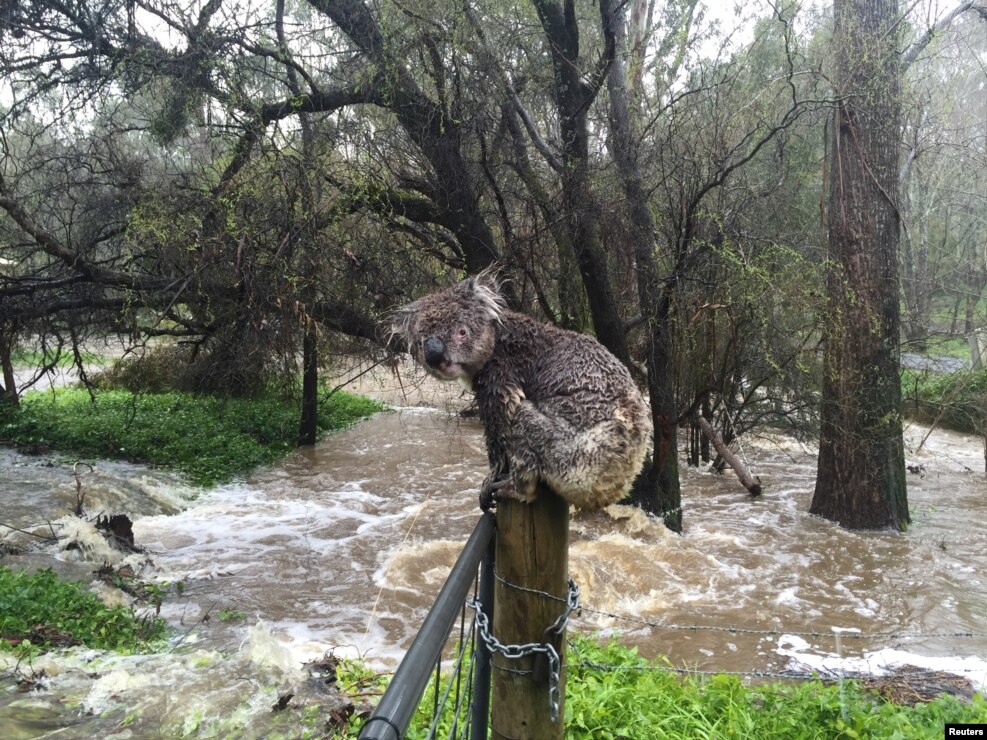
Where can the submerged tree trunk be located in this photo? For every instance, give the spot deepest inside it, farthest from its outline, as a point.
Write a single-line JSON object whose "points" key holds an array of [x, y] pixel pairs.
{"points": [[308, 429], [657, 490], [861, 469]]}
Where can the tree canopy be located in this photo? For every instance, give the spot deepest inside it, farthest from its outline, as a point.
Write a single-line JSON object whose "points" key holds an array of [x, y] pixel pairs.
{"points": [[254, 179]]}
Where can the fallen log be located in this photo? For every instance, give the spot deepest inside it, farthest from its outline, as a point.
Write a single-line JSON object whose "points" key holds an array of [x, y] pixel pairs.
{"points": [[750, 482]]}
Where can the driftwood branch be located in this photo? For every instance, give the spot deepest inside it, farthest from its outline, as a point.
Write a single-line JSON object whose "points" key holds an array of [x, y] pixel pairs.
{"points": [[748, 481]]}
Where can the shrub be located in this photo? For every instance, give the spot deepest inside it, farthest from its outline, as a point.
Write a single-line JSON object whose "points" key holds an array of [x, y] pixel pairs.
{"points": [[952, 400], [157, 370]]}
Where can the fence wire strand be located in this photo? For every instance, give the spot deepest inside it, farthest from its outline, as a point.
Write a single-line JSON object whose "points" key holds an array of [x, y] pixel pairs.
{"points": [[772, 632]]}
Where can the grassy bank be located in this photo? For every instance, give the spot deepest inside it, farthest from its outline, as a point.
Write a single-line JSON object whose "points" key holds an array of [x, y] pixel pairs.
{"points": [[210, 439], [951, 400], [613, 693], [39, 611]]}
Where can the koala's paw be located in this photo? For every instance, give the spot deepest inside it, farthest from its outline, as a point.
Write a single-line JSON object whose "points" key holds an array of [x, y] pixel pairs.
{"points": [[491, 490], [524, 487]]}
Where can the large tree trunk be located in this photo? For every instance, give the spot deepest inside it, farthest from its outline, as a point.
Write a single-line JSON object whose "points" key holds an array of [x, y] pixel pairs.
{"points": [[657, 490], [861, 470]]}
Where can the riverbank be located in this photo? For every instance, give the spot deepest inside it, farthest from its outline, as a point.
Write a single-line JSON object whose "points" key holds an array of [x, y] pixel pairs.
{"points": [[952, 400], [208, 438]]}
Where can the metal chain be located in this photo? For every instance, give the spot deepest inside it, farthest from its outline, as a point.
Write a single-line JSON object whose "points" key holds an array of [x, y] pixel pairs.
{"points": [[515, 652], [571, 605]]}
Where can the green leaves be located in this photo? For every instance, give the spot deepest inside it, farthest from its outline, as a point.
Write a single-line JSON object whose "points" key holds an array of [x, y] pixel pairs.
{"points": [[613, 693], [37, 610]]}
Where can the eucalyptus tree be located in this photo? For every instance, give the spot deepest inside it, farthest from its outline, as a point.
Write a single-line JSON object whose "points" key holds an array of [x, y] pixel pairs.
{"points": [[690, 186], [861, 469]]}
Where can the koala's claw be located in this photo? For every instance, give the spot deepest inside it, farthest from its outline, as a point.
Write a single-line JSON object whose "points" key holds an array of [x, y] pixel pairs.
{"points": [[512, 397], [493, 490], [487, 501]]}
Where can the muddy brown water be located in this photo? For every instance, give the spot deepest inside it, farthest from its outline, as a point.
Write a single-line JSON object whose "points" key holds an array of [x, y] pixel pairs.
{"points": [[345, 545]]}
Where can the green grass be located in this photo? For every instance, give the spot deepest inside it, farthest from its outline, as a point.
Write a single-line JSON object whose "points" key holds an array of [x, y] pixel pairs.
{"points": [[953, 400], [640, 700], [65, 358], [38, 610], [210, 439], [630, 698]]}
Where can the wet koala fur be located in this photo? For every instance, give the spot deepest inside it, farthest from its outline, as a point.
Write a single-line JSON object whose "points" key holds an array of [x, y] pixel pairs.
{"points": [[555, 405]]}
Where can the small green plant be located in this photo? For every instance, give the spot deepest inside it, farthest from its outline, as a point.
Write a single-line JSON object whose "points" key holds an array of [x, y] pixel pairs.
{"points": [[952, 400], [39, 611], [231, 615]]}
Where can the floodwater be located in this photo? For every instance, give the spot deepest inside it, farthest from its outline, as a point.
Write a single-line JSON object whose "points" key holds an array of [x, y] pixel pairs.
{"points": [[344, 546]]}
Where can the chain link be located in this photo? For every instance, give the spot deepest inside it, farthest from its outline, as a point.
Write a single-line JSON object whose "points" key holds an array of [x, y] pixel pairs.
{"points": [[515, 652]]}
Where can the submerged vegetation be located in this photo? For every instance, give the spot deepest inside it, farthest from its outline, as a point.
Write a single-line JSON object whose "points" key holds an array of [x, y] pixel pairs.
{"points": [[39, 611], [210, 438]]}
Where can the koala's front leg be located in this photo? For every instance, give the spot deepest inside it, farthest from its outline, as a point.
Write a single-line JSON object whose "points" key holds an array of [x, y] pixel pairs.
{"points": [[514, 471], [523, 463]]}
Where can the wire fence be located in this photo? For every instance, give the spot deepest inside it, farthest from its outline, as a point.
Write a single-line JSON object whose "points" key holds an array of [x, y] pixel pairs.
{"points": [[457, 689], [836, 635]]}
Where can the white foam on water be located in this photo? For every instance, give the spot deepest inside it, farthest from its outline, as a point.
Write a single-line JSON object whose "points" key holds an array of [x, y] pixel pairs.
{"points": [[805, 657], [264, 648], [79, 538]]}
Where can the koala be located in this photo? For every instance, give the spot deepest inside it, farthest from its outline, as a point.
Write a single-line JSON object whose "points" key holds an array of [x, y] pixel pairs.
{"points": [[556, 406]]}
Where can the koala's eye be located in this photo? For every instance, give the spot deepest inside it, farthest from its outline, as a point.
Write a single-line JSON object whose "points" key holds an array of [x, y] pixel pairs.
{"points": [[462, 332]]}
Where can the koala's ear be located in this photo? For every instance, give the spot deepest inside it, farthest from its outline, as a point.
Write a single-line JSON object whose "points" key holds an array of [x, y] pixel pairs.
{"points": [[487, 279], [402, 322], [485, 288]]}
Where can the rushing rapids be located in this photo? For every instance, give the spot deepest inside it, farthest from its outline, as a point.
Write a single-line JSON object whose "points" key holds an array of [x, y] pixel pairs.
{"points": [[343, 546]]}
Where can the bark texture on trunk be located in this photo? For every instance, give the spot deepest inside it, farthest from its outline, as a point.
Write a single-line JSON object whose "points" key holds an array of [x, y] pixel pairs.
{"points": [[861, 470]]}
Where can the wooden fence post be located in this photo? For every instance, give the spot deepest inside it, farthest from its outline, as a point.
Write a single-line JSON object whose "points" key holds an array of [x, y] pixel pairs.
{"points": [[532, 553]]}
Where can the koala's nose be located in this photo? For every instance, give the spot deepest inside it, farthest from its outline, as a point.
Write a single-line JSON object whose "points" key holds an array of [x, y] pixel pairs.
{"points": [[434, 350]]}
